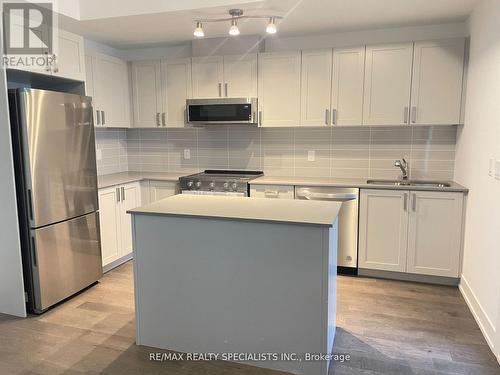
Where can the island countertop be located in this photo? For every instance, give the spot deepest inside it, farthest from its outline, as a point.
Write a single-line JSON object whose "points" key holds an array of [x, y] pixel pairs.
{"points": [[242, 208]]}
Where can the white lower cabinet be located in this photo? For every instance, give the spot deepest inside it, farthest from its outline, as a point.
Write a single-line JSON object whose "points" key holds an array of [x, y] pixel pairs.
{"points": [[416, 232], [272, 191], [115, 223], [434, 233], [383, 227]]}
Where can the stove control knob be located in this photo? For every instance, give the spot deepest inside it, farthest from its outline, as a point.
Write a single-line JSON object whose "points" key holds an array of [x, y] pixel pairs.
{"points": [[234, 186], [226, 186], [190, 184], [198, 184], [212, 185]]}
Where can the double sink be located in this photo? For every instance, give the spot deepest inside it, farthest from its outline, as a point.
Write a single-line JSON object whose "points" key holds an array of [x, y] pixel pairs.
{"points": [[436, 184]]}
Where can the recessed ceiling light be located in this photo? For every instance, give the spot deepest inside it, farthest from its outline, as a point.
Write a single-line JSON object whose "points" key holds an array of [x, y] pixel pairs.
{"points": [[198, 31]]}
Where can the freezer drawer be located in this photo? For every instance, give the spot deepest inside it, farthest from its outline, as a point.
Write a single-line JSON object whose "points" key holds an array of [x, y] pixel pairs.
{"points": [[66, 257]]}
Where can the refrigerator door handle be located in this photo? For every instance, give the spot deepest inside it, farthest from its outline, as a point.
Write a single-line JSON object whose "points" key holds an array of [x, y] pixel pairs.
{"points": [[33, 252]]}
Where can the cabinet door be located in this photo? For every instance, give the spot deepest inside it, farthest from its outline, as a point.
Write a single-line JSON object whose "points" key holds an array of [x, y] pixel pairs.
{"points": [[434, 235], [146, 93], [70, 59], [109, 221], [347, 86], [240, 76], [207, 76], [279, 88], [436, 94], [111, 90], [130, 195], [387, 84], [316, 87], [176, 88], [383, 226], [161, 189], [89, 86]]}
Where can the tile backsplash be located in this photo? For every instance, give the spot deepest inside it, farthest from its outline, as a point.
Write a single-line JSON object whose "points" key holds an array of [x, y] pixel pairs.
{"points": [[358, 152]]}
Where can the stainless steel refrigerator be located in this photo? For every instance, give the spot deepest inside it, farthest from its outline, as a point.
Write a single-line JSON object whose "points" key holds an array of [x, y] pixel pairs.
{"points": [[56, 181]]}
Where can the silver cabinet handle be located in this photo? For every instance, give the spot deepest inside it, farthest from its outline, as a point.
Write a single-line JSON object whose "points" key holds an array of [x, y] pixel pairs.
{"points": [[103, 117], [117, 195], [414, 114], [157, 118], [405, 202], [123, 193], [220, 90], [225, 89], [334, 116], [98, 117], [163, 122], [327, 116], [260, 118], [405, 115], [414, 202]]}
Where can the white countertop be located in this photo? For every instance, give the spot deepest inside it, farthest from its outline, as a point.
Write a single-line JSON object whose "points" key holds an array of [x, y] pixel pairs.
{"points": [[126, 177], [348, 182], [240, 208]]}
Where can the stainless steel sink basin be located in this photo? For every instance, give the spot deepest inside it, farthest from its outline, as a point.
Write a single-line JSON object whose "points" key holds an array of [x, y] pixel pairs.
{"points": [[437, 184]]}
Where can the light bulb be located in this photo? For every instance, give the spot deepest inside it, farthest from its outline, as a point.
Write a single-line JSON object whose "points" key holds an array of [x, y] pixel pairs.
{"points": [[271, 26], [233, 30], [198, 31]]}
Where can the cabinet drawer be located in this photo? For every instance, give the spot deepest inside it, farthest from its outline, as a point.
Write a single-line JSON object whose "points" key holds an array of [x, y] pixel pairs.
{"points": [[272, 191]]}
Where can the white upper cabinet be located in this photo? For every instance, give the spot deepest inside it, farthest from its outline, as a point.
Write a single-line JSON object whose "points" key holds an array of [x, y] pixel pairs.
{"points": [[279, 88], [437, 82], [176, 88], [434, 233], [383, 226], [240, 76], [207, 75], [111, 91], [347, 86], [146, 93], [316, 87], [70, 58], [387, 84]]}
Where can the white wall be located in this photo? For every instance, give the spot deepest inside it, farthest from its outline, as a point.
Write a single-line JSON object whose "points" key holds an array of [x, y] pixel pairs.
{"points": [[11, 274], [478, 141], [352, 38]]}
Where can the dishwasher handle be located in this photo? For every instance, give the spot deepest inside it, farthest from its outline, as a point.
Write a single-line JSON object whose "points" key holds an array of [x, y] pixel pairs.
{"points": [[340, 197]]}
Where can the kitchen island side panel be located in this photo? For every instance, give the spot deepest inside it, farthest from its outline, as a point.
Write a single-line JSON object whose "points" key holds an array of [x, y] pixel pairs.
{"points": [[215, 285]]}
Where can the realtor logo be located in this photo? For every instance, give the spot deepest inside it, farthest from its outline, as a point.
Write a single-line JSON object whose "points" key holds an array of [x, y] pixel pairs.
{"points": [[28, 28]]}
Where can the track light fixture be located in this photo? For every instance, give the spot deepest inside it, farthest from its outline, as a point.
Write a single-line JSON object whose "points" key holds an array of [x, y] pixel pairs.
{"points": [[198, 31], [237, 14]]}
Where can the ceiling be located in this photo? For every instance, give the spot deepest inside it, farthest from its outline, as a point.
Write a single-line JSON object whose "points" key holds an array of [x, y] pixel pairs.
{"points": [[156, 25]]}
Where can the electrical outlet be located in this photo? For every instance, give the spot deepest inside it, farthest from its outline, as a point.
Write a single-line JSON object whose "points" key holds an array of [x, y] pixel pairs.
{"points": [[98, 154], [497, 169], [187, 153], [311, 155]]}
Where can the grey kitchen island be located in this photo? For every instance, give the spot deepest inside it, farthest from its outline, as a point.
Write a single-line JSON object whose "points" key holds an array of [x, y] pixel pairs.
{"points": [[242, 279]]}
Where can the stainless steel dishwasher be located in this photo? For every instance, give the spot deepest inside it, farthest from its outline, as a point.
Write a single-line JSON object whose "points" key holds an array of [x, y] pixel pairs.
{"points": [[347, 245]]}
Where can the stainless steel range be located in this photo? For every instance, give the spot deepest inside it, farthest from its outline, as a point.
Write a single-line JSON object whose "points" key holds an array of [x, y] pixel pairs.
{"points": [[219, 182]]}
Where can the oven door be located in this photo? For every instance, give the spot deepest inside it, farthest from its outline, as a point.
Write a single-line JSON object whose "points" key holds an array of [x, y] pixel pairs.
{"points": [[221, 111]]}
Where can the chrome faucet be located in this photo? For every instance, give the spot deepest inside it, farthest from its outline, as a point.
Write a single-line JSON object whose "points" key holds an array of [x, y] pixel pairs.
{"points": [[403, 165]]}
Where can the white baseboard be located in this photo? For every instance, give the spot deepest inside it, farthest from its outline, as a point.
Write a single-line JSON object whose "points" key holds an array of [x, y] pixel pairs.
{"points": [[116, 263], [482, 319]]}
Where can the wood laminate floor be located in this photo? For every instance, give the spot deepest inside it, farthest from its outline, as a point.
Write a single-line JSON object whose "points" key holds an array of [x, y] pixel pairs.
{"points": [[387, 327]]}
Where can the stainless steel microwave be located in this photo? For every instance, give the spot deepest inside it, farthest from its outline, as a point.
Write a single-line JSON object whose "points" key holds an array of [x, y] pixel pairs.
{"points": [[221, 111]]}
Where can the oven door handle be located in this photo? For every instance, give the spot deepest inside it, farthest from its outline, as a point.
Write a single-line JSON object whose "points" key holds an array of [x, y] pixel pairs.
{"points": [[328, 197]]}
